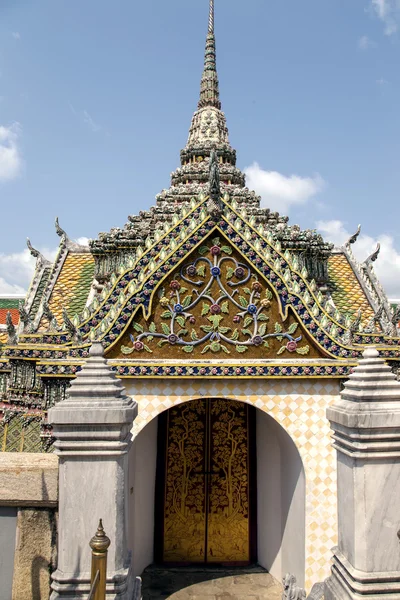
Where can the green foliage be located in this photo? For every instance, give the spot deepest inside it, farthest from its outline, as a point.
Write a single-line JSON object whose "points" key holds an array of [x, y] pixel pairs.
{"points": [[248, 321], [262, 329], [215, 320], [229, 272], [224, 329], [241, 349], [182, 332], [207, 328], [247, 291], [247, 332], [188, 349], [193, 335], [147, 349], [292, 328], [278, 328], [201, 270], [226, 249], [203, 250], [235, 335], [205, 310], [165, 328], [186, 301], [282, 349], [215, 241], [262, 317], [167, 314], [303, 350], [126, 350], [225, 307], [243, 301], [138, 327], [180, 320], [152, 327]]}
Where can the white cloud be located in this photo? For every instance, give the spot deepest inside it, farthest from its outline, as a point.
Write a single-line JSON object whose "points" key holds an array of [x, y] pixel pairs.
{"points": [[364, 43], [280, 192], [10, 153], [16, 270], [388, 11], [382, 81], [90, 122], [387, 266], [83, 241], [16, 35]]}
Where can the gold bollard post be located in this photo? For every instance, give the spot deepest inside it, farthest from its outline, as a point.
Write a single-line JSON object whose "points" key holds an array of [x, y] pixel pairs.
{"points": [[99, 545]]}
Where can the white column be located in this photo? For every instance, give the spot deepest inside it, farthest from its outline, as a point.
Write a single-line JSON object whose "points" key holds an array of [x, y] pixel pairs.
{"points": [[92, 430], [366, 425]]}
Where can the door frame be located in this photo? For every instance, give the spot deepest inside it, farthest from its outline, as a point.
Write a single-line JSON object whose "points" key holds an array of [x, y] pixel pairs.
{"points": [[160, 490]]}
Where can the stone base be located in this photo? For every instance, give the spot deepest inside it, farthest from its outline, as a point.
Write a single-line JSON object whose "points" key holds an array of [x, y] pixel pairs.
{"points": [[348, 583], [118, 587]]}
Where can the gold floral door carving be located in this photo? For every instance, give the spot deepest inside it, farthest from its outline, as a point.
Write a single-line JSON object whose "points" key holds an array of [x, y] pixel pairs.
{"points": [[206, 483]]}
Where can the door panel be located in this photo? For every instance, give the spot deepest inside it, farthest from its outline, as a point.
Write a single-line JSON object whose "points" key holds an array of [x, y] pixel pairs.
{"points": [[203, 488], [228, 506], [185, 493]]}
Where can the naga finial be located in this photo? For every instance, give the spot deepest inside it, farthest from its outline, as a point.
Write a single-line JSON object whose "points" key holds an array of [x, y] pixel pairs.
{"points": [[352, 239], [60, 232], [31, 249], [11, 330], [25, 317], [372, 257], [70, 327]]}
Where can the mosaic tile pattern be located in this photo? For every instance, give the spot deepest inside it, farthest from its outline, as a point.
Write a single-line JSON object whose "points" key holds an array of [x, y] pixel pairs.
{"points": [[73, 285], [39, 292], [300, 407], [19, 436], [347, 292]]}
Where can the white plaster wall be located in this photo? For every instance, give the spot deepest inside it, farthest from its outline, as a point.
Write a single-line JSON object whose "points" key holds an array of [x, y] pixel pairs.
{"points": [[281, 501], [299, 407], [142, 476]]}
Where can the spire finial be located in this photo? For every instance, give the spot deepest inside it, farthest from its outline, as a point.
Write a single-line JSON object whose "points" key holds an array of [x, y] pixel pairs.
{"points": [[211, 18], [209, 90]]}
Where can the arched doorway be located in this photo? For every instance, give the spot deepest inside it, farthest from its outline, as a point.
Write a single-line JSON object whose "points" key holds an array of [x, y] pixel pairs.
{"points": [[206, 490], [279, 502]]}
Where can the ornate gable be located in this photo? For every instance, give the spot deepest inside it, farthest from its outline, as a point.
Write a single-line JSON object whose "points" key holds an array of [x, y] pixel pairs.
{"points": [[215, 304]]}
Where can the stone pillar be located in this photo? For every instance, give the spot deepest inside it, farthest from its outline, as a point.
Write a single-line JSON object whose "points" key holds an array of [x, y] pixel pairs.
{"points": [[92, 430], [366, 424]]}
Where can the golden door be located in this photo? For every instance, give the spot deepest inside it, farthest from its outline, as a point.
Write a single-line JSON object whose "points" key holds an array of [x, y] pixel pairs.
{"points": [[204, 480]]}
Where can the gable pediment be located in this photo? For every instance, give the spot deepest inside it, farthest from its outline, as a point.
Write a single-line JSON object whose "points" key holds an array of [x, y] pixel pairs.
{"points": [[215, 304]]}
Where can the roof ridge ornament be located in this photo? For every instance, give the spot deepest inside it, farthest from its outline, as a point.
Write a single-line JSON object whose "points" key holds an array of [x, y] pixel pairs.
{"points": [[352, 239], [214, 205], [372, 257], [60, 231], [37, 254]]}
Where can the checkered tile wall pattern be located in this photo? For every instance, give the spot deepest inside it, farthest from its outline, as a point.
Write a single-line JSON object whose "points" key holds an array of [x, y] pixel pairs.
{"points": [[300, 408]]}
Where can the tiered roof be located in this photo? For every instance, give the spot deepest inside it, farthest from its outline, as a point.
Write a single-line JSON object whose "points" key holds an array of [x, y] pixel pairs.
{"points": [[207, 283]]}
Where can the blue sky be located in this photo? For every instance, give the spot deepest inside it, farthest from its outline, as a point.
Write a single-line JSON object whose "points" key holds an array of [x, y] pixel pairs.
{"points": [[96, 100]]}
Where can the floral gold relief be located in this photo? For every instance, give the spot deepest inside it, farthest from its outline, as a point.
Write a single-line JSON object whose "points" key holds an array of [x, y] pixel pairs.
{"points": [[206, 502]]}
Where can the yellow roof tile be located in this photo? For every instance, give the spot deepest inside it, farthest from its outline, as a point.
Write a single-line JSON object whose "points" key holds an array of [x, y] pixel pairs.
{"points": [[73, 285], [347, 293]]}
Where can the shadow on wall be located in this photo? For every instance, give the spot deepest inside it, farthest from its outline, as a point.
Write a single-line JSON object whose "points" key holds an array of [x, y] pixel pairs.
{"points": [[281, 501], [36, 552]]}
